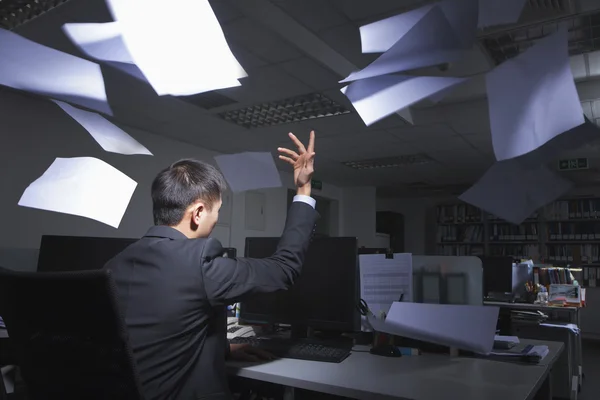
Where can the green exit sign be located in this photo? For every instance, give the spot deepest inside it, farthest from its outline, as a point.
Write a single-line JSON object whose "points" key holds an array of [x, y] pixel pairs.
{"points": [[573, 164], [317, 185]]}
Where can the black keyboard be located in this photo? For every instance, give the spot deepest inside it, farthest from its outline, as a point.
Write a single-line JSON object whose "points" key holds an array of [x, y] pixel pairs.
{"points": [[300, 350]]}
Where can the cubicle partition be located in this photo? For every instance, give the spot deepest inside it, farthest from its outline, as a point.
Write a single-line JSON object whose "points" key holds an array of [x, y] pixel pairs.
{"points": [[447, 279]]}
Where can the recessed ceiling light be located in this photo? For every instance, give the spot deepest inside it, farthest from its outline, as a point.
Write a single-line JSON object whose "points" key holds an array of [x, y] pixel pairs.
{"points": [[390, 162], [294, 109]]}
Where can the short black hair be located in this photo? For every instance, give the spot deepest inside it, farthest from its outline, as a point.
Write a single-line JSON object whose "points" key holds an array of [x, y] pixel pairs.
{"points": [[182, 184]]}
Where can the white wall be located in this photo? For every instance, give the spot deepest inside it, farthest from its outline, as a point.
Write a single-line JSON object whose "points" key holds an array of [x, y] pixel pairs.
{"points": [[33, 132], [358, 213]]}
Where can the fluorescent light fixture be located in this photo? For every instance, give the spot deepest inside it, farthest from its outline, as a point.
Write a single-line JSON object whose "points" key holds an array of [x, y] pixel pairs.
{"points": [[294, 109], [17, 12], [389, 162]]}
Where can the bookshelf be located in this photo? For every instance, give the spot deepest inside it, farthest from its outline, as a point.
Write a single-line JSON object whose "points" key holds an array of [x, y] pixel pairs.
{"points": [[566, 231]]}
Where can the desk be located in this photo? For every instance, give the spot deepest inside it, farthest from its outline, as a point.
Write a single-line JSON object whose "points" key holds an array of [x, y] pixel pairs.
{"points": [[426, 377], [573, 316]]}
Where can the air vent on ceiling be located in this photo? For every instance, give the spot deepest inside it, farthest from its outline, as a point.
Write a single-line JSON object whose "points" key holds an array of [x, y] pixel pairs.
{"points": [[16, 12], [389, 162], [541, 18], [294, 109], [208, 100]]}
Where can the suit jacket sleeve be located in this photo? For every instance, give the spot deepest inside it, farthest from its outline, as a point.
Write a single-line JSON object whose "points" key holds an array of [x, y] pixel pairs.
{"points": [[228, 280]]}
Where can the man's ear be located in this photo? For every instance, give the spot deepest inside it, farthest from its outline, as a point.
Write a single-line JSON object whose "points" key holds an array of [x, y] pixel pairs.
{"points": [[197, 210]]}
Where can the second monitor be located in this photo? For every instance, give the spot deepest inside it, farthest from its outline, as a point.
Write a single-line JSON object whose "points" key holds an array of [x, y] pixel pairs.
{"points": [[325, 295]]}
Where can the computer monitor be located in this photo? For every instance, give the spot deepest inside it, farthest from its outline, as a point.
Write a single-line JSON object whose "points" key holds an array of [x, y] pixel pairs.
{"points": [[324, 297], [78, 253], [497, 274]]}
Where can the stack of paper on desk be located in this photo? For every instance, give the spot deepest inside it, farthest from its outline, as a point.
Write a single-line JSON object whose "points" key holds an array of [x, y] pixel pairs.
{"points": [[471, 328]]}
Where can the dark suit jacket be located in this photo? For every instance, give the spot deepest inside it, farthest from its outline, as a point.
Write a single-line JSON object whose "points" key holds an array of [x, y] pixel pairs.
{"points": [[173, 292]]}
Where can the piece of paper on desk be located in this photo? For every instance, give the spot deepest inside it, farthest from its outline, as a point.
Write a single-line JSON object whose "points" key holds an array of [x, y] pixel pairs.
{"points": [[494, 12], [379, 97], [249, 171], [103, 42], [179, 52], [109, 136], [507, 339], [83, 186], [512, 192], [572, 327], [432, 40], [540, 351], [384, 280], [465, 327], [532, 98], [34, 68]]}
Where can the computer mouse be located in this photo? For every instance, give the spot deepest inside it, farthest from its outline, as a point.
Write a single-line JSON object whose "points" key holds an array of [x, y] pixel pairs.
{"points": [[386, 350]]}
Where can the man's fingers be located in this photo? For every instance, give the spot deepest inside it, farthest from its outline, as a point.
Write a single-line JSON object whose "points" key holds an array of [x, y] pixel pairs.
{"points": [[311, 142], [289, 152], [298, 143], [287, 159]]}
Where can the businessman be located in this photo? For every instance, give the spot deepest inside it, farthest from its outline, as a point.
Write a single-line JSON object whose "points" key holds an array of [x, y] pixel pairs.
{"points": [[173, 285]]}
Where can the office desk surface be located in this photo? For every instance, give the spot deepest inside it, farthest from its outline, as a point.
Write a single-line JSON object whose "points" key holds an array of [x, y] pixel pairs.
{"points": [[530, 307], [426, 377]]}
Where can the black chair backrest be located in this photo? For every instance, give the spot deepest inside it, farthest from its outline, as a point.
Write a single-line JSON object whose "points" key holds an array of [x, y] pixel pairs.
{"points": [[68, 335]]}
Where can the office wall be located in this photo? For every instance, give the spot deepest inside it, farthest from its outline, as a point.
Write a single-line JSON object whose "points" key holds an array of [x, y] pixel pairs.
{"points": [[358, 212], [34, 132]]}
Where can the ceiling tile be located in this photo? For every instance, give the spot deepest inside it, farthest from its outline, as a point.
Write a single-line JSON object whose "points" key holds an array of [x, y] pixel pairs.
{"points": [[450, 143], [248, 60], [315, 15], [266, 84], [260, 41], [481, 141], [278, 134], [422, 133], [336, 125], [312, 73], [369, 10], [224, 11], [345, 39]]}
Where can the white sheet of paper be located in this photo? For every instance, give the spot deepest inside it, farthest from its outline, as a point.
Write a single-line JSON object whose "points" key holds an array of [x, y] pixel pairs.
{"points": [[31, 67], [109, 136], [508, 339], [376, 98], [383, 280], [512, 192], [83, 186], [249, 171], [494, 12], [101, 41], [570, 140], [431, 41], [180, 49], [532, 98], [470, 328]]}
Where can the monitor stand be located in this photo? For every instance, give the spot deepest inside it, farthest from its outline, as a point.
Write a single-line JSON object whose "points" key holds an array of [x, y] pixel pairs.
{"points": [[334, 339]]}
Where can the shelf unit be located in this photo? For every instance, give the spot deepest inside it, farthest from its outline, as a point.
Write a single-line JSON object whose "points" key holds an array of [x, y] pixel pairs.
{"points": [[563, 232]]}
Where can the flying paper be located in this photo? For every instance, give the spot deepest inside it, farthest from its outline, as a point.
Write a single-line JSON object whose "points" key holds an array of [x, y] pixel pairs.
{"points": [[31, 67], [83, 186], [179, 53], [471, 328], [532, 98], [103, 42], [430, 35], [110, 137], [376, 98], [494, 12], [249, 171], [513, 192]]}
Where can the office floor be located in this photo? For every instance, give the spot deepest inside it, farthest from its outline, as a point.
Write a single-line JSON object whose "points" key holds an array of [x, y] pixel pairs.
{"points": [[591, 365]]}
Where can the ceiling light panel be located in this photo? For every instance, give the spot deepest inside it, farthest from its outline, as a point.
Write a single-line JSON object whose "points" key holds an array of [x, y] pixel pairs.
{"points": [[294, 109], [390, 162], [17, 12]]}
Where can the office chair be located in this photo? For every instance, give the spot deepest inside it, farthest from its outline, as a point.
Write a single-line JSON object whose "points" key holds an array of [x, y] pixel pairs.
{"points": [[68, 335]]}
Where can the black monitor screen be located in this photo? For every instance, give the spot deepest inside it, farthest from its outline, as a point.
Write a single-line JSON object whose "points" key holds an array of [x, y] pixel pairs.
{"points": [[324, 296], [497, 274], [78, 253]]}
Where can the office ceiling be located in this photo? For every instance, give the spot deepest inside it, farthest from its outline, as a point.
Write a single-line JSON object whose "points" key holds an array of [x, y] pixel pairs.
{"points": [[300, 48]]}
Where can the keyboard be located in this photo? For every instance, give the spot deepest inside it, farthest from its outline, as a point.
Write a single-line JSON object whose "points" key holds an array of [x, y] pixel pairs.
{"points": [[299, 350]]}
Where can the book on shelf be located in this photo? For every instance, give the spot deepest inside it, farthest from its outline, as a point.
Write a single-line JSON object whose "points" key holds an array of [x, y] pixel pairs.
{"points": [[458, 213], [582, 231], [573, 252], [523, 251], [574, 209], [459, 250], [460, 233], [547, 276], [510, 232]]}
